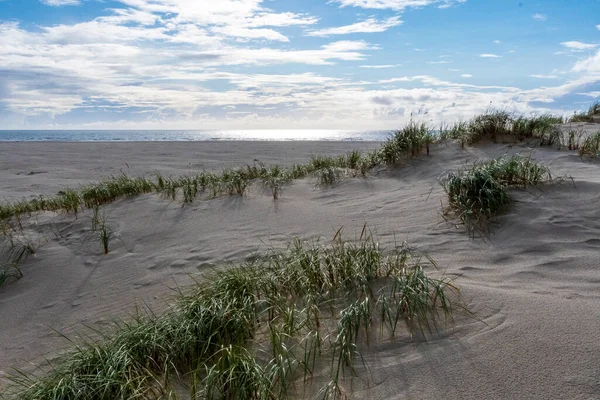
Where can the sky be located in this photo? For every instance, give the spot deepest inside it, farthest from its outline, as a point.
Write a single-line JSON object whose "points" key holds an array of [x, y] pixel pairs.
{"points": [[291, 64]]}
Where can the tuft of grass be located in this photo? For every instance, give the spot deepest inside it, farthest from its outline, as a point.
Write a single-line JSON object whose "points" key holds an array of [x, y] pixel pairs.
{"points": [[592, 114], [497, 125], [9, 271], [105, 233], [591, 146], [321, 162], [327, 176], [474, 196], [409, 141], [479, 192], [235, 181], [275, 179], [492, 124], [189, 187], [110, 189], [251, 331]]}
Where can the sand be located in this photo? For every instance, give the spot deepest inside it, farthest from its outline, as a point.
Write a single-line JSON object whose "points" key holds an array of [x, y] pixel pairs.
{"points": [[532, 285]]}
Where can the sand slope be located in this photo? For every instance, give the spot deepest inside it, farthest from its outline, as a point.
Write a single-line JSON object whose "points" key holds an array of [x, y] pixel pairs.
{"points": [[533, 284]]}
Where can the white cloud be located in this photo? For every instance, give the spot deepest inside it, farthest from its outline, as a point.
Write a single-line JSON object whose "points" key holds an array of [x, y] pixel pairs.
{"points": [[57, 3], [380, 66], [370, 25], [497, 41], [438, 62], [590, 65], [158, 61], [397, 4], [233, 13], [598, 27], [539, 17], [488, 55], [579, 46], [347, 45], [538, 76], [245, 33]]}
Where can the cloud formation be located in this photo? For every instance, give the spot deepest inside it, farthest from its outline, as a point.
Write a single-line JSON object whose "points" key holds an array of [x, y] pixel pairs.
{"points": [[232, 64], [58, 3], [579, 46], [370, 25], [398, 5]]}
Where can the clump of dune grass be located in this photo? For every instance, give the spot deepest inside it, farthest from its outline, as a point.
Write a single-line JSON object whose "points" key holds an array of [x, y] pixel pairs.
{"points": [[9, 271], [328, 176], [460, 131], [409, 141], [542, 127], [258, 330], [492, 124], [18, 248], [189, 186], [104, 232], [474, 196], [318, 162], [235, 181], [275, 179], [478, 192], [571, 138], [518, 171], [502, 126], [15, 248], [591, 146], [591, 115], [108, 190]]}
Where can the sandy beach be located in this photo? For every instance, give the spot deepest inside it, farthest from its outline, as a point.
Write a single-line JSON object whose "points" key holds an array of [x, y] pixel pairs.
{"points": [[532, 285]]}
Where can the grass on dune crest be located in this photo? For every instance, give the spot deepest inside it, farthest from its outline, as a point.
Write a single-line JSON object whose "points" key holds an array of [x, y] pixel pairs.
{"points": [[498, 126], [478, 192], [260, 330], [410, 141], [592, 114]]}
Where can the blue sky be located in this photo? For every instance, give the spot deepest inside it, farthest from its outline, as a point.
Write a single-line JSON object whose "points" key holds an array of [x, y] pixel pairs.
{"points": [[325, 64]]}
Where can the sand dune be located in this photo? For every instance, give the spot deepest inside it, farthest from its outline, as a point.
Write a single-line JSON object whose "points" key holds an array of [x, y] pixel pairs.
{"points": [[532, 285]]}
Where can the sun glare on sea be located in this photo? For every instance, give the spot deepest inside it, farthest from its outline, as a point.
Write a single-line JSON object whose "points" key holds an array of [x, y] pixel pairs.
{"points": [[285, 134]]}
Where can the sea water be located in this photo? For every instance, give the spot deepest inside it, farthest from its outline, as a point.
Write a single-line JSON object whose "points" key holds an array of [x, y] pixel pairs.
{"points": [[189, 135]]}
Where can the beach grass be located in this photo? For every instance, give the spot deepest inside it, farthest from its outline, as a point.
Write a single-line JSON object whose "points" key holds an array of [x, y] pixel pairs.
{"points": [[591, 115], [15, 248], [502, 126], [412, 140], [274, 179], [591, 146], [478, 192], [261, 330], [9, 271]]}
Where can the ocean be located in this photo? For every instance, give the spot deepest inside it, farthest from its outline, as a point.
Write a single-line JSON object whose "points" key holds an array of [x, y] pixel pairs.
{"points": [[189, 135]]}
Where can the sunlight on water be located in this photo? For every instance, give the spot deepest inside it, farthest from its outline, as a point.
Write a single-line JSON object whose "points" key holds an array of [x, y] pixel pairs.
{"points": [[181, 135]]}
